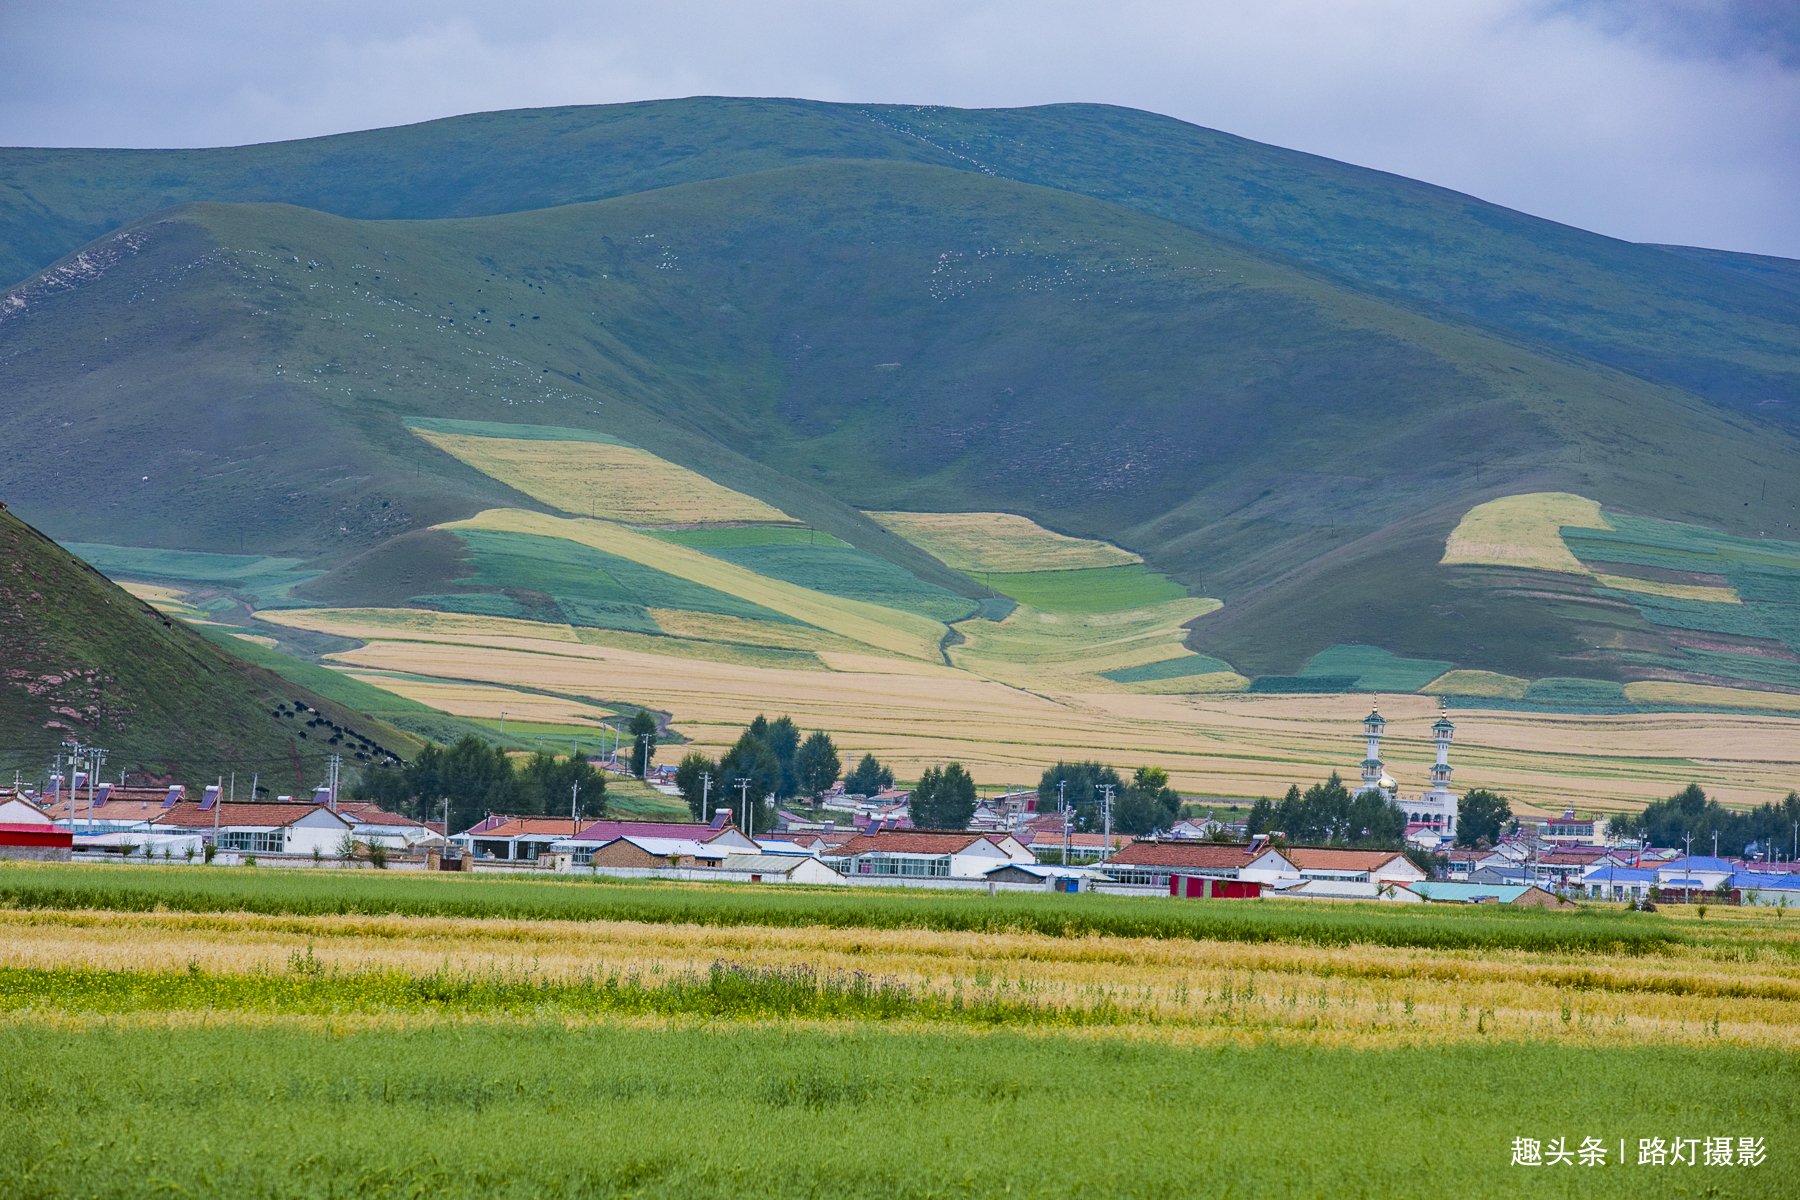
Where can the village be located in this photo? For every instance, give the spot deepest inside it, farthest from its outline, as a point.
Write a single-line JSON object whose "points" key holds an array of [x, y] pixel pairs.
{"points": [[870, 840]]}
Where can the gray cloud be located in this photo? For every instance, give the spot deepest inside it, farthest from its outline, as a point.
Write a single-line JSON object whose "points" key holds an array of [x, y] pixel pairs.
{"points": [[1654, 120]]}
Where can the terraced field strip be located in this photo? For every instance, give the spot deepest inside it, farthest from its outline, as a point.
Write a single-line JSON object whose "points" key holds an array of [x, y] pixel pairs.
{"points": [[1225, 745], [981, 542], [616, 482], [1042, 650], [1523, 531], [884, 628]]}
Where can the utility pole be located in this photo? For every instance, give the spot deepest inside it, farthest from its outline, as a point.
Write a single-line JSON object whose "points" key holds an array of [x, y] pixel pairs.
{"points": [[743, 782], [502, 722], [645, 739], [332, 764], [705, 790], [574, 819], [1062, 803], [1106, 790], [1715, 843]]}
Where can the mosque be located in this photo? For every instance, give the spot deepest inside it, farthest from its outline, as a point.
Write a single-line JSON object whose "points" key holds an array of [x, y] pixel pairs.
{"points": [[1435, 808]]}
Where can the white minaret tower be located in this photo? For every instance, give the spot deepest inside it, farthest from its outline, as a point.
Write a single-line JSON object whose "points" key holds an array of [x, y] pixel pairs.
{"points": [[1371, 765], [1440, 802]]}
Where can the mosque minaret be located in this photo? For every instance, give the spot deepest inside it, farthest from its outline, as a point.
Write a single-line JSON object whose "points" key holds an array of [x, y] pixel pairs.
{"points": [[1435, 808]]}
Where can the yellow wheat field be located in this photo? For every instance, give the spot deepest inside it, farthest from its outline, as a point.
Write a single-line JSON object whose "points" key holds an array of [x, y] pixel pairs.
{"points": [[620, 483], [1746, 991], [1656, 691], [977, 542], [1523, 531], [1477, 683], [1221, 745], [1679, 591]]}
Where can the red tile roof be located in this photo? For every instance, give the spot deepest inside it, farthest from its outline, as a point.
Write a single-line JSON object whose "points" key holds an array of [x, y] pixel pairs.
{"points": [[913, 841], [1199, 855], [693, 831], [555, 827], [189, 815], [1309, 858]]}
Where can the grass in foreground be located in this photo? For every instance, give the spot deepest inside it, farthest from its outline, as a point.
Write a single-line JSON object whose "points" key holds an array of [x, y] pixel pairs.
{"points": [[222, 889], [536, 1108]]}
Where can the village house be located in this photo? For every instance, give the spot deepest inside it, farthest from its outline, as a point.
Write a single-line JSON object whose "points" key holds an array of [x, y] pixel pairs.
{"points": [[1168, 864], [650, 852], [1518, 895], [256, 828], [1620, 884], [1353, 866], [26, 831], [914, 853]]}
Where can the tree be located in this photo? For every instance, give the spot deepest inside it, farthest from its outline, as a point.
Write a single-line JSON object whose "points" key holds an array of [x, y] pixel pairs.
{"points": [[783, 739], [943, 799], [750, 759], [643, 742], [1148, 804], [691, 783], [817, 765], [555, 787], [1480, 816], [868, 778], [1327, 814], [1084, 780]]}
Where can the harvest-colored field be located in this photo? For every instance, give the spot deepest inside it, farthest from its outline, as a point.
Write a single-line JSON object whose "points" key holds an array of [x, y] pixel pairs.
{"points": [[992, 541], [1224, 744], [1743, 987], [1657, 691], [616, 482], [1478, 683], [1062, 651], [884, 628], [1677, 591], [1523, 531]]}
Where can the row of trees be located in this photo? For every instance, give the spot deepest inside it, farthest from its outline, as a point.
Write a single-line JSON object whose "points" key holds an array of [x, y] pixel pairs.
{"points": [[477, 778], [1691, 813], [1144, 805], [768, 762]]}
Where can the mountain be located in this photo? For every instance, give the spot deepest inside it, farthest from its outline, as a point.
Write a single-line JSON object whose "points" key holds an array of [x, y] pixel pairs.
{"points": [[740, 410], [85, 659], [1692, 319]]}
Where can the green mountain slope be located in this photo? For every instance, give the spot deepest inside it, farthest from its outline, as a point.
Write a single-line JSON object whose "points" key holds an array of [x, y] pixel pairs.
{"points": [[1693, 320], [80, 657], [842, 336]]}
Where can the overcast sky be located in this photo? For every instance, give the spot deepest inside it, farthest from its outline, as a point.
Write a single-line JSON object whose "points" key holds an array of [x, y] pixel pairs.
{"points": [[1653, 120]]}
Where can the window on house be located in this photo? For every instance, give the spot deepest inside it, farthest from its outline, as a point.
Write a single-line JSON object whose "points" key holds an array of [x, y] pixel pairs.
{"points": [[253, 843]]}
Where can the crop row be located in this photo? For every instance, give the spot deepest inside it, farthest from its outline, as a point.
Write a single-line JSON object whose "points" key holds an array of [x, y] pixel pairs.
{"points": [[309, 894]]}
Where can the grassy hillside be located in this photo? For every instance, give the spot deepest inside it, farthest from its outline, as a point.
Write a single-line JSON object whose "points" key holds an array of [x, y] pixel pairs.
{"points": [[1695, 320], [83, 658], [840, 337]]}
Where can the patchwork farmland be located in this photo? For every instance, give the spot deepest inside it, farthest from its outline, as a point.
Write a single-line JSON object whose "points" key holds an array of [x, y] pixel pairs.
{"points": [[1067, 648]]}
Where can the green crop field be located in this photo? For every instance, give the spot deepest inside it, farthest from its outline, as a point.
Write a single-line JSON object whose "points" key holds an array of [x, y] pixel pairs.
{"points": [[842, 571], [1375, 669], [533, 1108], [1093, 590]]}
